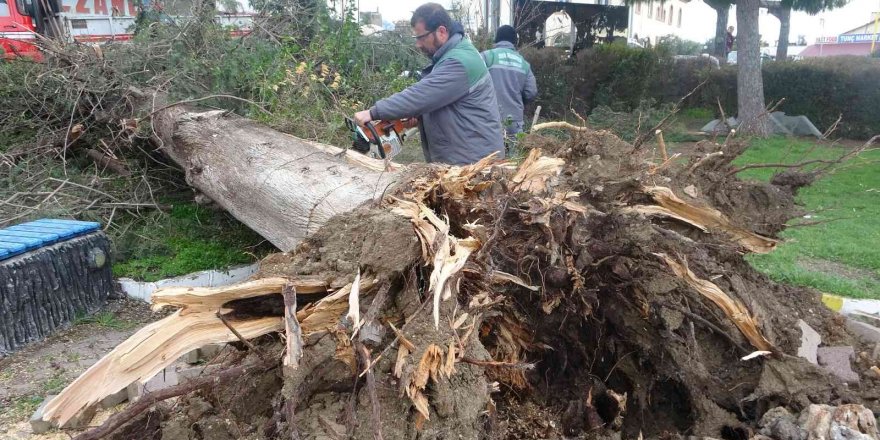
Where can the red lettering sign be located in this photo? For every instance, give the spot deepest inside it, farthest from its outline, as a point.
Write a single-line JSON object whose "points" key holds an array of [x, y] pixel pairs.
{"points": [[81, 7], [131, 10], [101, 7], [118, 6]]}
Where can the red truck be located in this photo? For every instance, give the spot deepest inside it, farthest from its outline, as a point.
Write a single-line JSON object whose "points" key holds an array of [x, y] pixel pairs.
{"points": [[98, 21]]}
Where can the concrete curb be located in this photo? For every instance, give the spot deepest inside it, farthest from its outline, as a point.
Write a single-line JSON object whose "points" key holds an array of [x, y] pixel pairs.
{"points": [[209, 278], [846, 306]]}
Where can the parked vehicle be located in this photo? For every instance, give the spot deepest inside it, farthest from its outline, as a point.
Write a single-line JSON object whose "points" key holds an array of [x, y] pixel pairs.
{"points": [[94, 21]]}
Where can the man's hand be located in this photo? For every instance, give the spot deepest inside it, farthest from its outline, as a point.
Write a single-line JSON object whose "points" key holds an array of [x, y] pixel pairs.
{"points": [[411, 122], [362, 117]]}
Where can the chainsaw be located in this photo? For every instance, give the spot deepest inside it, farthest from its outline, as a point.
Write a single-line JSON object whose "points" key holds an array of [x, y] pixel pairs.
{"points": [[380, 140]]}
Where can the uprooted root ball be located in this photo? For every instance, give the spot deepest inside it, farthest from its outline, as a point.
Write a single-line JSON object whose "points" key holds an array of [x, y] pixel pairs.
{"points": [[588, 290]]}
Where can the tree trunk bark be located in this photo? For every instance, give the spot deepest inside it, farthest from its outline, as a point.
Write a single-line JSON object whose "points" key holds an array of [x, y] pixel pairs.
{"points": [[783, 13], [722, 9], [752, 115], [282, 187]]}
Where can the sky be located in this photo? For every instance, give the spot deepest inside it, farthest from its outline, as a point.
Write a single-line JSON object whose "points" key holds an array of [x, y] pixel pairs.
{"points": [[700, 19]]}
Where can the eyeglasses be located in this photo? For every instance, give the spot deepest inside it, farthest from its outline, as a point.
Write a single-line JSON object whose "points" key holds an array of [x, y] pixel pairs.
{"points": [[419, 37]]}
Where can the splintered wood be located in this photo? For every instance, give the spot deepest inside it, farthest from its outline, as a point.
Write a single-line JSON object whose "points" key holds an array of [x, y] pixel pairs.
{"points": [[702, 217], [539, 197], [210, 298], [448, 254], [429, 368], [292, 329], [147, 352], [535, 172], [195, 325], [733, 309]]}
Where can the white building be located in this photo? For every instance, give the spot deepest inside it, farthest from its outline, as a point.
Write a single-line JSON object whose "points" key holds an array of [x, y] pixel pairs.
{"points": [[647, 21], [557, 31], [650, 21]]}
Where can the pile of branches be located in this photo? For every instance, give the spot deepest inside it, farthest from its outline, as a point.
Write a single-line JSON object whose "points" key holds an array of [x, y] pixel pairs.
{"points": [[586, 289], [73, 147]]}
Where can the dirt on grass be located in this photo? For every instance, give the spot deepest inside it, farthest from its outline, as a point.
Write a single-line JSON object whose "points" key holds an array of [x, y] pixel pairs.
{"points": [[836, 269]]}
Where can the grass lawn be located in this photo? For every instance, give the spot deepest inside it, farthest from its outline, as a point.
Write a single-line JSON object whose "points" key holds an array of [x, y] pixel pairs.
{"points": [[841, 256], [188, 239]]}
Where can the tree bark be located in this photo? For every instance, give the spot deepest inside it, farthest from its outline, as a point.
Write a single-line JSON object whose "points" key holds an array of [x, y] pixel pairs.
{"points": [[752, 115], [722, 9], [282, 187], [783, 13]]}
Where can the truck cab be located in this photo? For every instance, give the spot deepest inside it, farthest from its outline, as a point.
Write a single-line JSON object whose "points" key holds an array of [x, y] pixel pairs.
{"points": [[17, 30], [95, 21]]}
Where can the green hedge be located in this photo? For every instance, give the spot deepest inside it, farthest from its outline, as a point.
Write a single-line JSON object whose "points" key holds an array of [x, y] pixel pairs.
{"points": [[615, 76], [821, 89], [623, 79]]}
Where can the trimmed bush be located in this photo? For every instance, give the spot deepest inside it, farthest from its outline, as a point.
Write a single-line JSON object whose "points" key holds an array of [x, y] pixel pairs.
{"points": [[610, 75], [621, 78], [821, 89]]}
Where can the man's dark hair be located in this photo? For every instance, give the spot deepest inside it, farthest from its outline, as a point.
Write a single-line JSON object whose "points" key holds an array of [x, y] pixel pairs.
{"points": [[506, 33], [433, 15]]}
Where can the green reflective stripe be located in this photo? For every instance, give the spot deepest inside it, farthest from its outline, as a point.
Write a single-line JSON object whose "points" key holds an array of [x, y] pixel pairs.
{"points": [[508, 58], [516, 69], [479, 82], [465, 53]]}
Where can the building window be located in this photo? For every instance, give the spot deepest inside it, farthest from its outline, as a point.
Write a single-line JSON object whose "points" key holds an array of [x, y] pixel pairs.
{"points": [[679, 18], [670, 15], [660, 12], [651, 10], [638, 8]]}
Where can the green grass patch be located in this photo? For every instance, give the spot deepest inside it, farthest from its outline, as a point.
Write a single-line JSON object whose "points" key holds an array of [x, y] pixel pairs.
{"points": [[107, 320], [191, 238], [847, 200], [20, 407], [697, 113], [54, 384]]}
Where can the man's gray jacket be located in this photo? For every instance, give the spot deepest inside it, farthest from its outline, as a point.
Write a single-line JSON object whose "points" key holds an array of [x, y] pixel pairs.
{"points": [[455, 102], [514, 83]]}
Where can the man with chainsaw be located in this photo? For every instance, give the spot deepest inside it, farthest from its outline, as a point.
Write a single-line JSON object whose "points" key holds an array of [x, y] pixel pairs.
{"points": [[454, 101], [514, 81]]}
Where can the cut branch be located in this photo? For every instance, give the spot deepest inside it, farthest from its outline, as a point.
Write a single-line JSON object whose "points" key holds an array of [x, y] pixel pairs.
{"points": [[557, 124]]}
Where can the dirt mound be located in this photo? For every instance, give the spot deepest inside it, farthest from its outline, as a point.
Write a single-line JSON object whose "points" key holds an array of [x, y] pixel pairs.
{"points": [[598, 293]]}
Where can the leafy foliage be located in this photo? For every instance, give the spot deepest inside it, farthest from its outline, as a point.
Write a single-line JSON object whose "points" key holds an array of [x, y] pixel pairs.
{"points": [[673, 45], [622, 79], [302, 70], [618, 77]]}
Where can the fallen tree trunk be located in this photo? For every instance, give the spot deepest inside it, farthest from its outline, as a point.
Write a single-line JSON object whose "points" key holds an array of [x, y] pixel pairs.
{"points": [[281, 186]]}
